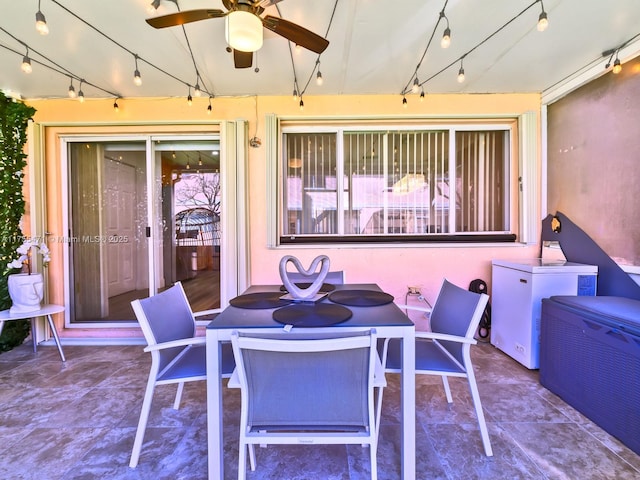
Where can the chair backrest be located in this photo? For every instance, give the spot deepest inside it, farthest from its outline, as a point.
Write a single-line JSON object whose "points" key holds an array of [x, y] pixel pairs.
{"points": [[332, 278], [290, 382], [164, 317], [457, 311]]}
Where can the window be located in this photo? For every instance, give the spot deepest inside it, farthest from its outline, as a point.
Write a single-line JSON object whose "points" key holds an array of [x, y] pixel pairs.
{"points": [[365, 185]]}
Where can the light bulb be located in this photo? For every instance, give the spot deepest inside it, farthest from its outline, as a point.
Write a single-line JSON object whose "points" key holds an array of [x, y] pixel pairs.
{"points": [[461, 75], [115, 106], [81, 96], [446, 38], [137, 79], [41, 23], [26, 64], [196, 90], [543, 22], [404, 102], [617, 66], [72, 91], [209, 108], [416, 86], [301, 105], [189, 100], [319, 80], [422, 95], [295, 95]]}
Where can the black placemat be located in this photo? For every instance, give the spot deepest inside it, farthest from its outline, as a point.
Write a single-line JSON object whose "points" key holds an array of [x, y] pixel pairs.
{"points": [[326, 287], [312, 315], [360, 298], [259, 300]]}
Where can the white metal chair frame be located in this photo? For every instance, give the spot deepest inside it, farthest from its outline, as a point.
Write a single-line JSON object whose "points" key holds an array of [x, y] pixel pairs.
{"points": [[162, 370], [459, 365], [305, 433]]}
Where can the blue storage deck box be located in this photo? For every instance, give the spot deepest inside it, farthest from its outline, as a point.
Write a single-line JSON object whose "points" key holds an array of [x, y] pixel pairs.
{"points": [[590, 357]]}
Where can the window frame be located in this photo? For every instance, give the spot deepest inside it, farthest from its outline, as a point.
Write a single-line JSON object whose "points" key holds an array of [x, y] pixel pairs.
{"points": [[519, 157]]}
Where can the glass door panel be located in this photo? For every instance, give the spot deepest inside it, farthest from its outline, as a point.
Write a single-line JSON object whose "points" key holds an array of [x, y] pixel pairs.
{"points": [[188, 236], [108, 212], [112, 219]]}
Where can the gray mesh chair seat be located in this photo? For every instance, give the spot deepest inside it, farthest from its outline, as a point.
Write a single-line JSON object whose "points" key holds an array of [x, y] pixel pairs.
{"points": [[177, 355], [298, 390], [445, 350]]}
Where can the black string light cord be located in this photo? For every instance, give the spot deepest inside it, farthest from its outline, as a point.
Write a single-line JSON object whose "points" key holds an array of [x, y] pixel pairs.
{"points": [[464, 55]]}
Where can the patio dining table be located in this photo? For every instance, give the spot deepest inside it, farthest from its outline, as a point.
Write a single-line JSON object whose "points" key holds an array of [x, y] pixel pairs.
{"points": [[387, 319]]}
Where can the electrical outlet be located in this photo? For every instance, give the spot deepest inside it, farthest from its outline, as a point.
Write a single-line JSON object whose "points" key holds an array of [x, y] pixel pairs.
{"points": [[413, 290]]}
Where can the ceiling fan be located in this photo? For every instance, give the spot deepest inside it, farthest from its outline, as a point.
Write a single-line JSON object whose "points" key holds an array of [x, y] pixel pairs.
{"points": [[244, 26]]}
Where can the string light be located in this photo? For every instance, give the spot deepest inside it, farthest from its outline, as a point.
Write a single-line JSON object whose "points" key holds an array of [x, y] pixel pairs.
{"points": [[416, 85], [26, 63], [80, 93], [301, 104], [196, 90], [189, 98], [543, 21], [137, 79], [404, 102], [446, 36], [319, 79], [72, 90], [617, 66], [115, 105], [422, 95], [41, 22], [461, 73], [209, 108], [295, 95]]}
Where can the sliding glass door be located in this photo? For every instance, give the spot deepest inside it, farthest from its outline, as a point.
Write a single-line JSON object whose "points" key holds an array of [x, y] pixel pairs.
{"points": [[143, 213]]}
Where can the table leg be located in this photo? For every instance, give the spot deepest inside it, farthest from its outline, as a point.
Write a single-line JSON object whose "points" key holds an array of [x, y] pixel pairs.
{"points": [[408, 399], [214, 406], [54, 331], [33, 335]]}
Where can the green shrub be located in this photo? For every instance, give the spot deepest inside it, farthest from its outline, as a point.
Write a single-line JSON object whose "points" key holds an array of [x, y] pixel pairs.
{"points": [[14, 118]]}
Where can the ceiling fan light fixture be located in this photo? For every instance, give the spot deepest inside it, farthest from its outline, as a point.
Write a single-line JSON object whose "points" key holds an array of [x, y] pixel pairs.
{"points": [[243, 31]]}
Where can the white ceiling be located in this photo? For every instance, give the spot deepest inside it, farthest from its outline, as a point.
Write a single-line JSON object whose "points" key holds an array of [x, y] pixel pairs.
{"points": [[375, 46]]}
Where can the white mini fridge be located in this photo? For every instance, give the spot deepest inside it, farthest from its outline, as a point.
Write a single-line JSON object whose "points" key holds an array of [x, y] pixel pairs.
{"points": [[517, 290]]}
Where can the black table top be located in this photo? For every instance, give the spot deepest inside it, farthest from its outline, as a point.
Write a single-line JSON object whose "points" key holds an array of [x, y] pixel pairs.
{"points": [[368, 316]]}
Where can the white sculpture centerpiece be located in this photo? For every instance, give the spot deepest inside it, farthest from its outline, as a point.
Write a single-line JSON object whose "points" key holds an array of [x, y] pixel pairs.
{"points": [[26, 289], [315, 278]]}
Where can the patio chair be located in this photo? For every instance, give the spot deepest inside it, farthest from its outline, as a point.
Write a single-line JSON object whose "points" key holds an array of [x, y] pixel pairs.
{"points": [[301, 390], [445, 350], [177, 355]]}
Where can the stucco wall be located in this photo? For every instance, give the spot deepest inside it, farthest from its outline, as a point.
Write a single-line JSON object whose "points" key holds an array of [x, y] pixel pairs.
{"points": [[393, 268], [593, 161]]}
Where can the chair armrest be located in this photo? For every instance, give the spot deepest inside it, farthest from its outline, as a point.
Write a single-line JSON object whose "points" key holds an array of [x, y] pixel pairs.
{"points": [[446, 337], [176, 343], [414, 308], [234, 380], [207, 312], [379, 380]]}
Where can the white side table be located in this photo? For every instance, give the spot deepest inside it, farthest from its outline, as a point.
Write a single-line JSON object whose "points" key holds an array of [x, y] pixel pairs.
{"points": [[45, 311]]}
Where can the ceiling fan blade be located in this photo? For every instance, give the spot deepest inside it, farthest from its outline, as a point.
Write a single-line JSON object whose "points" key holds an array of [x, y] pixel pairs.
{"points": [[242, 59], [180, 18], [295, 33]]}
